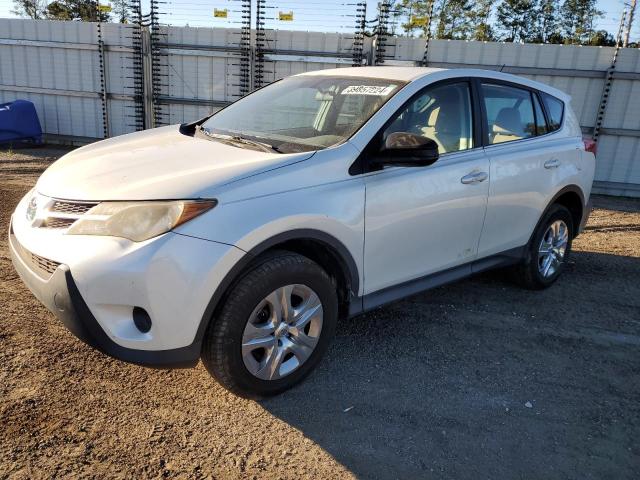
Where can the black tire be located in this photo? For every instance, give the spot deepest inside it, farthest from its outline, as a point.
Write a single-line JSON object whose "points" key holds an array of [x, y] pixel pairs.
{"points": [[221, 351], [527, 273]]}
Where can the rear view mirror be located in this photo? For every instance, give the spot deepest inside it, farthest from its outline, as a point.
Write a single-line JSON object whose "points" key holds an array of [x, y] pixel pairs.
{"points": [[408, 150]]}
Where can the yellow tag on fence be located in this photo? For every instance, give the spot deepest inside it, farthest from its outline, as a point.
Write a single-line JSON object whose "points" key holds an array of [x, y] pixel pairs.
{"points": [[419, 21], [220, 13], [286, 16]]}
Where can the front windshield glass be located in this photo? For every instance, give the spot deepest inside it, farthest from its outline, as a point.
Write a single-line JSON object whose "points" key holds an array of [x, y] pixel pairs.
{"points": [[302, 113]]}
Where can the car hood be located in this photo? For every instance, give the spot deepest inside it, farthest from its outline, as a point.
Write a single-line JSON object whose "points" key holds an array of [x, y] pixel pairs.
{"points": [[155, 164]]}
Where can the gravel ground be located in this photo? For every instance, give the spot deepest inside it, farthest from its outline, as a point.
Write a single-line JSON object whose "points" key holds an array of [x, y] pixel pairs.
{"points": [[479, 379]]}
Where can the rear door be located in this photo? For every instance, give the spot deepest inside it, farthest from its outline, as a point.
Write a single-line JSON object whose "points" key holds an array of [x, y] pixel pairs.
{"points": [[423, 220], [527, 164]]}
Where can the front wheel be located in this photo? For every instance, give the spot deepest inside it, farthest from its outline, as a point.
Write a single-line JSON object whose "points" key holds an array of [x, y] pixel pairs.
{"points": [[548, 250], [274, 327]]}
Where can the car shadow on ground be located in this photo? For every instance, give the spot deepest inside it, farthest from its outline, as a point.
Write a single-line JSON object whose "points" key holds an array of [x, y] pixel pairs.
{"points": [[481, 379]]}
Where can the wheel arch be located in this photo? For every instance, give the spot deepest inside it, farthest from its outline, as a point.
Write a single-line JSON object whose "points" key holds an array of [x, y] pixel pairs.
{"points": [[323, 248], [571, 197]]}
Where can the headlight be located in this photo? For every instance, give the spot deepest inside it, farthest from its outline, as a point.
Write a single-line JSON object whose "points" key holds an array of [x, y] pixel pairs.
{"points": [[138, 221]]}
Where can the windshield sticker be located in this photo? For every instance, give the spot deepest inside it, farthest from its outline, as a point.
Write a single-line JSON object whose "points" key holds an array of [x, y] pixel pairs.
{"points": [[368, 90]]}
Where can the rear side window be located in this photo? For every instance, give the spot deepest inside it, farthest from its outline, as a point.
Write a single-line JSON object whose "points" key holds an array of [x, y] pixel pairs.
{"points": [[555, 110], [509, 113]]}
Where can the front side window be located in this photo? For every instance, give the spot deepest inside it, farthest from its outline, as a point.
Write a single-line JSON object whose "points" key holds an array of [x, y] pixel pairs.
{"points": [[302, 113], [441, 113], [555, 109], [509, 113]]}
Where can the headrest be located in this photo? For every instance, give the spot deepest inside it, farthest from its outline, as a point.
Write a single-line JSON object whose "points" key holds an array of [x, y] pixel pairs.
{"points": [[508, 121], [448, 121]]}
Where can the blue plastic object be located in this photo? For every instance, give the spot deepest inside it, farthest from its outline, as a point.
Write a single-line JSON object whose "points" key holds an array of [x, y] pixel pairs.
{"points": [[19, 121]]}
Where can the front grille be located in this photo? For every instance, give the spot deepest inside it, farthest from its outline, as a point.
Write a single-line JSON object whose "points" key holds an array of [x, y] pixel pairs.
{"points": [[64, 213], [43, 267], [52, 222], [72, 208], [44, 264]]}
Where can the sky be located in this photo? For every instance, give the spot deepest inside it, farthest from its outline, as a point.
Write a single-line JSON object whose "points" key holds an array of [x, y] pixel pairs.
{"points": [[311, 14]]}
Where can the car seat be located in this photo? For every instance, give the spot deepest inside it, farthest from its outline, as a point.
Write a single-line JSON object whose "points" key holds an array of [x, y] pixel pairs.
{"points": [[508, 126]]}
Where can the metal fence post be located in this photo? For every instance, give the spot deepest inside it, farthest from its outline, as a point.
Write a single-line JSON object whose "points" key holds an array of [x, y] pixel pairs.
{"points": [[425, 56], [370, 51], [102, 65], [608, 81], [147, 76]]}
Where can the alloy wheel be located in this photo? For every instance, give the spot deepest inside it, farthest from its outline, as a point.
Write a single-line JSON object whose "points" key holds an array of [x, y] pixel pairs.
{"points": [[552, 249], [282, 332]]}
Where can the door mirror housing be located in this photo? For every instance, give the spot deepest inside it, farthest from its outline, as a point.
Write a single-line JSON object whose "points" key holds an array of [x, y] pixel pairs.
{"points": [[408, 150]]}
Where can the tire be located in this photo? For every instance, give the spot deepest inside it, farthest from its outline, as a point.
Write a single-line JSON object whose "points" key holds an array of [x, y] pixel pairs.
{"points": [[528, 273], [253, 305]]}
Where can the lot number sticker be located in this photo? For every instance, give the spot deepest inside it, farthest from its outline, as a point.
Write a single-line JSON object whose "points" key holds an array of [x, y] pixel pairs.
{"points": [[368, 90]]}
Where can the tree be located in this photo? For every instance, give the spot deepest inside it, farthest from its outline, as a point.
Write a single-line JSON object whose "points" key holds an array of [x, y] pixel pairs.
{"points": [[84, 10], [479, 18], [34, 9], [516, 17], [121, 11], [602, 38], [453, 19], [547, 22], [578, 18], [416, 13]]}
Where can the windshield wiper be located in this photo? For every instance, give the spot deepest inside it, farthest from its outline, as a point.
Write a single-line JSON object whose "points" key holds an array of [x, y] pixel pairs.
{"points": [[247, 141], [238, 139]]}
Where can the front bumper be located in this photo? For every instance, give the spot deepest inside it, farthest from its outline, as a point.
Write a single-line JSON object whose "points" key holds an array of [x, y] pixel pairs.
{"points": [[92, 284], [61, 296]]}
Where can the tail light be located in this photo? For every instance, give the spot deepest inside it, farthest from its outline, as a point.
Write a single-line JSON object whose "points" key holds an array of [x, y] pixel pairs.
{"points": [[590, 145]]}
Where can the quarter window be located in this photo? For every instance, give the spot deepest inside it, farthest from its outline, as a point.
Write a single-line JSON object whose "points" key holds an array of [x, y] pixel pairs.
{"points": [[442, 114], [555, 109], [509, 113]]}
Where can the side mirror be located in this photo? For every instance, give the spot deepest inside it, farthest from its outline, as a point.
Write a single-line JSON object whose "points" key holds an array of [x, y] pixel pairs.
{"points": [[408, 150]]}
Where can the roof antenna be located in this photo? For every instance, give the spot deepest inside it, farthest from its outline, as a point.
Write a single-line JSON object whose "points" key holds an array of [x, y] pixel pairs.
{"points": [[503, 65]]}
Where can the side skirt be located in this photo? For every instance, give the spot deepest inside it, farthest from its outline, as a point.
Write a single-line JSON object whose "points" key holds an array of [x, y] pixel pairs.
{"points": [[391, 294]]}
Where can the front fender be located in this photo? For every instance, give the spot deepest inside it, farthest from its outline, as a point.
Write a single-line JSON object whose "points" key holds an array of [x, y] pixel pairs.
{"points": [[332, 213]]}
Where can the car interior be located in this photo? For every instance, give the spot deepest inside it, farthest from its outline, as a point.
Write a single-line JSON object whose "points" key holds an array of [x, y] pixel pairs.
{"points": [[509, 113], [442, 114]]}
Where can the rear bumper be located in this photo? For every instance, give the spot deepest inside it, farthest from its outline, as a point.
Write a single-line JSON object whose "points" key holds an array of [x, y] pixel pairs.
{"points": [[61, 296]]}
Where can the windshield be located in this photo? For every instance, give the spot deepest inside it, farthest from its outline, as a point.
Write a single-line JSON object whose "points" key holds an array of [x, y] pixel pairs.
{"points": [[302, 113]]}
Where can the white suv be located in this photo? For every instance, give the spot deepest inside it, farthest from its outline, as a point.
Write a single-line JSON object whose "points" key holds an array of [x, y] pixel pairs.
{"points": [[243, 237]]}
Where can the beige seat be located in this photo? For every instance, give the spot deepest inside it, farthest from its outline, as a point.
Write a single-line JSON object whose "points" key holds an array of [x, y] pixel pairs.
{"points": [[444, 123], [508, 126]]}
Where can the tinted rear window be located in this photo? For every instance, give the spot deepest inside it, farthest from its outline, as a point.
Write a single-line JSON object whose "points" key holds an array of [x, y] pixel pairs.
{"points": [[555, 110]]}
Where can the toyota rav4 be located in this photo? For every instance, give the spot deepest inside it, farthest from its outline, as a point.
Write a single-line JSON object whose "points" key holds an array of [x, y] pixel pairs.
{"points": [[243, 237]]}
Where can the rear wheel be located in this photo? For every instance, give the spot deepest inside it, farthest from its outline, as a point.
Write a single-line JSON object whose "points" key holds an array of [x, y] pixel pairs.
{"points": [[548, 250], [274, 327]]}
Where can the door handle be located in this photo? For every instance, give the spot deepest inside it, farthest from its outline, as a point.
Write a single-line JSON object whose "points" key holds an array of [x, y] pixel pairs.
{"points": [[475, 177], [553, 163]]}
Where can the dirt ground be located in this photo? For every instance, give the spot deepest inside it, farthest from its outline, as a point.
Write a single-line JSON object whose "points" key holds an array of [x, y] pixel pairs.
{"points": [[479, 379]]}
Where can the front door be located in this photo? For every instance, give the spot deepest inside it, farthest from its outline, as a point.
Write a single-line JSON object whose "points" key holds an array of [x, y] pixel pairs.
{"points": [[423, 220]]}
